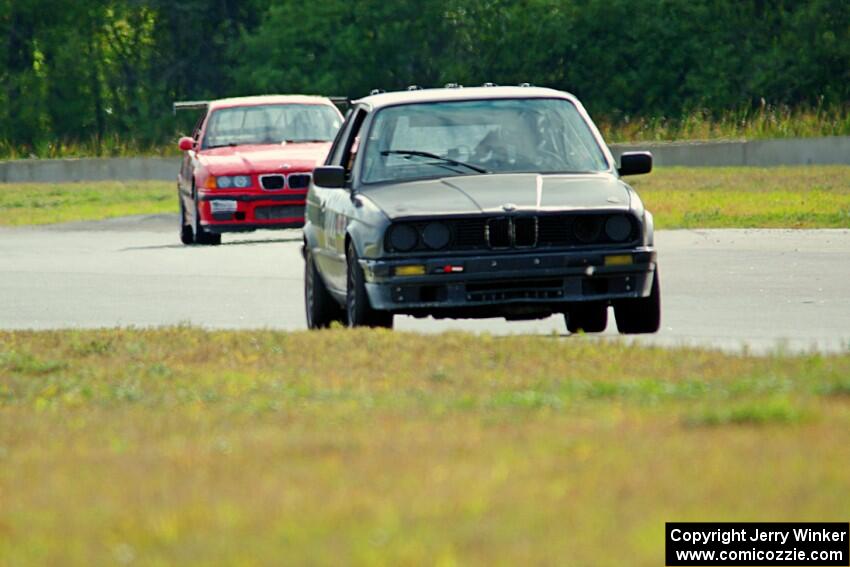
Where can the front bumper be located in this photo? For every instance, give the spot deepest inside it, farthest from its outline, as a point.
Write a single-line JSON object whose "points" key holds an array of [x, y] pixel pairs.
{"points": [[540, 278], [222, 211]]}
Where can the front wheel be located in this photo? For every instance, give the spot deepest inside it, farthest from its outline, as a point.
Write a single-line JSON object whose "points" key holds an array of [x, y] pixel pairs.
{"points": [[187, 235], [202, 236], [642, 315], [590, 317], [320, 306], [357, 307]]}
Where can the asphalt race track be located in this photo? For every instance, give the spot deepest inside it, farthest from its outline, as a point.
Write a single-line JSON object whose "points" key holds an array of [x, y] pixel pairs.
{"points": [[765, 289]]}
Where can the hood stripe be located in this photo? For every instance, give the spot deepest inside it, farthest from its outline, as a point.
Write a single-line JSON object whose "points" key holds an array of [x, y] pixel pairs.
{"points": [[539, 190], [464, 193]]}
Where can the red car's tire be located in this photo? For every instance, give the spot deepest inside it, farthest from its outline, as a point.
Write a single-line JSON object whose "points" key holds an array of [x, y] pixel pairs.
{"points": [[202, 236], [187, 235]]}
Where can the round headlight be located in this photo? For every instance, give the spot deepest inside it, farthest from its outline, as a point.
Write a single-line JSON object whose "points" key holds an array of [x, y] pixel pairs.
{"points": [[403, 237], [436, 235], [224, 182], [587, 229], [618, 228], [241, 181]]}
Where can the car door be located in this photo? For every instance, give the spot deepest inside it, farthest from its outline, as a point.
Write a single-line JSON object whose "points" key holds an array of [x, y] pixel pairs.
{"points": [[334, 207], [317, 199]]}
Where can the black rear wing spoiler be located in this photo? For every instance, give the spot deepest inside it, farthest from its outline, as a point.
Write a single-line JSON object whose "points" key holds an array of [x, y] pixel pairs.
{"points": [[190, 105], [340, 101]]}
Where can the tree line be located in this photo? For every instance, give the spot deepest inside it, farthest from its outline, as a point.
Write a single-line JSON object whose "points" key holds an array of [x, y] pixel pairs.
{"points": [[95, 70]]}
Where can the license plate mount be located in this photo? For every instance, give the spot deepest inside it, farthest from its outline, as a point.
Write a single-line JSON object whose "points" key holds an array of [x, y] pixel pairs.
{"points": [[222, 206]]}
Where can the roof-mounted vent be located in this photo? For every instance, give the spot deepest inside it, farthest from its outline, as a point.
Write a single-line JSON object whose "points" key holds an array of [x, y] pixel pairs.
{"points": [[453, 86], [376, 91], [414, 88], [489, 85], [526, 85]]}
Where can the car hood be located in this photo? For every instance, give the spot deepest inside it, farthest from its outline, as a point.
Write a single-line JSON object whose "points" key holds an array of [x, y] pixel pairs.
{"points": [[263, 158], [496, 193]]}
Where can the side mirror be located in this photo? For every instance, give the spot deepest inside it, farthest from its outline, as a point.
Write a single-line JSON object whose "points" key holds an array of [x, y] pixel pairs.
{"points": [[186, 143], [330, 176], [635, 163]]}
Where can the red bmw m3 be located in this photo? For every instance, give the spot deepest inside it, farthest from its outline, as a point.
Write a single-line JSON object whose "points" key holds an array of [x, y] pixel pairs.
{"points": [[248, 163]]}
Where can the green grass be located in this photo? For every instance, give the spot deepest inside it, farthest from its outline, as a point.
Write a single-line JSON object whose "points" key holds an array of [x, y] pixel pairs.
{"points": [[110, 146], [709, 197], [184, 447], [763, 123], [747, 197], [780, 410], [37, 203]]}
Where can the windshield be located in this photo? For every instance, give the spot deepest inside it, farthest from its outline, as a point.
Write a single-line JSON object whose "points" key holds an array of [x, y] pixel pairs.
{"points": [[483, 136], [271, 124]]}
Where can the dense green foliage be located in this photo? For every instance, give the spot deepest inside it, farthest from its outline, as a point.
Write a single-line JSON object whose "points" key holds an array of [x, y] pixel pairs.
{"points": [[94, 71]]}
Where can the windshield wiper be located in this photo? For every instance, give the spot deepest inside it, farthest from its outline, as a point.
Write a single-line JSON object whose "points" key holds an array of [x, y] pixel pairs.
{"points": [[419, 153], [230, 145], [306, 141]]}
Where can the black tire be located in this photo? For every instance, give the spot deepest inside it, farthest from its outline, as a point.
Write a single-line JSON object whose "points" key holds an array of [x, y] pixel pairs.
{"points": [[187, 235], [320, 306], [639, 316], [591, 317], [358, 310], [202, 236]]}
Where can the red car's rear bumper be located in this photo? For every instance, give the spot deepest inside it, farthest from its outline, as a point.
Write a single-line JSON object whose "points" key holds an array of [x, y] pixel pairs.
{"points": [[224, 211]]}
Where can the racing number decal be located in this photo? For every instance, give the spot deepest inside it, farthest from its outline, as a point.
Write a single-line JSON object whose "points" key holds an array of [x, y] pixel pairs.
{"points": [[335, 229]]}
